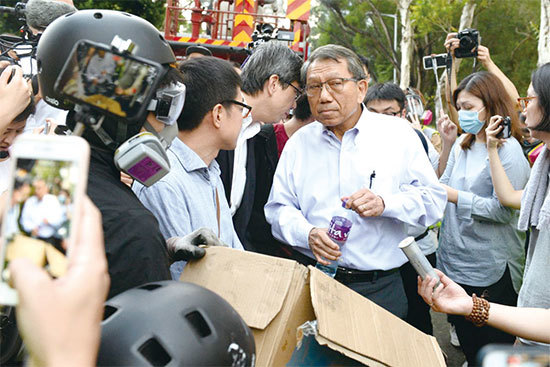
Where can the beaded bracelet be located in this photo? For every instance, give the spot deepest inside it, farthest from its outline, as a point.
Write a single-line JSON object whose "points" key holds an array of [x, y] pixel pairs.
{"points": [[480, 311]]}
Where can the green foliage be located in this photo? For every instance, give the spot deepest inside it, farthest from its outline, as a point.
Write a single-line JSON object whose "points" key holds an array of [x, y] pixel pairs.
{"points": [[9, 23], [509, 28], [152, 10]]}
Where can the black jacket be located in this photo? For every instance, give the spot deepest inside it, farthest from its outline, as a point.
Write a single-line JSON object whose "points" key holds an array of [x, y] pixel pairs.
{"points": [[249, 221], [136, 251]]}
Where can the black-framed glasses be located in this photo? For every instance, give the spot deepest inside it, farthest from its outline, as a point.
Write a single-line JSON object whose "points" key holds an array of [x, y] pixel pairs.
{"points": [[246, 108], [333, 85], [297, 90]]}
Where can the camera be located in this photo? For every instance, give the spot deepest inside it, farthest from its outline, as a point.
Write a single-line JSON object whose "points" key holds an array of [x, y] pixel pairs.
{"points": [[506, 131], [440, 61], [469, 40]]}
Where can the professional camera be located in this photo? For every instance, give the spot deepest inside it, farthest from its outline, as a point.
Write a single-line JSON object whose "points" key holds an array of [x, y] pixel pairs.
{"points": [[265, 32], [469, 40]]}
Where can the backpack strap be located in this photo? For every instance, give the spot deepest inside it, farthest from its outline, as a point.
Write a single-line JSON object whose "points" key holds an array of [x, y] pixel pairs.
{"points": [[422, 139]]}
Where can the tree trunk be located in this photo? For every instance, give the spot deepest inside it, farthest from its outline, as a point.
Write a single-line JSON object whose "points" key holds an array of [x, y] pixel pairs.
{"points": [[403, 7], [466, 20], [544, 33]]}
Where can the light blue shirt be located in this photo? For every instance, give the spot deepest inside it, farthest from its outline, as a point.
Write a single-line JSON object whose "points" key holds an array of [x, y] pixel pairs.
{"points": [[478, 236], [316, 169], [185, 199]]}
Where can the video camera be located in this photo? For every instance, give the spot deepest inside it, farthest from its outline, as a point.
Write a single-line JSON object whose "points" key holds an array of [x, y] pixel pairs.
{"points": [[469, 41], [19, 50], [265, 32]]}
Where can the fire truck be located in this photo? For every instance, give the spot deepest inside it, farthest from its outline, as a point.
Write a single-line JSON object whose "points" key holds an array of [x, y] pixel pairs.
{"points": [[230, 29]]}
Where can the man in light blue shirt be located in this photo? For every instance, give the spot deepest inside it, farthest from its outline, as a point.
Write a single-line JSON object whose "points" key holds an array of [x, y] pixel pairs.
{"points": [[344, 156], [192, 196]]}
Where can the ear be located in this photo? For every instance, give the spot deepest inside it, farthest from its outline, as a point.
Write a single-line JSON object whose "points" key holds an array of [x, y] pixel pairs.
{"points": [[271, 85], [217, 115], [362, 86]]}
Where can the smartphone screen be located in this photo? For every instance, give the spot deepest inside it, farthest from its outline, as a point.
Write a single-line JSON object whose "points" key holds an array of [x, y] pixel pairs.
{"points": [[37, 224], [107, 80]]}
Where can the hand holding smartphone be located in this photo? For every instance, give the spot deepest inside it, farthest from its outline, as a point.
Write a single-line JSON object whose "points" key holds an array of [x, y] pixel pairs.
{"points": [[47, 183]]}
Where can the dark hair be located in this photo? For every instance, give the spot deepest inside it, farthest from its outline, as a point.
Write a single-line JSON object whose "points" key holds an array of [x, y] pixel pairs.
{"points": [[208, 81], [488, 87], [541, 84], [271, 58], [386, 92], [336, 53], [302, 111], [30, 109]]}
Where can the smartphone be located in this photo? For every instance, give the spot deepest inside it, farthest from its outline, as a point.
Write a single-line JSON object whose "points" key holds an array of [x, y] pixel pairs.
{"points": [[499, 355], [109, 81], [440, 61], [506, 131], [47, 182]]}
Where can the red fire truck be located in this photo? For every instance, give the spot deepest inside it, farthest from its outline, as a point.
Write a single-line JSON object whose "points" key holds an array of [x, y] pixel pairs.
{"points": [[230, 28]]}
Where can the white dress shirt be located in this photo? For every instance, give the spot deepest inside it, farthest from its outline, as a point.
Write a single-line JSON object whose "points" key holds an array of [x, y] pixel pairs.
{"points": [[35, 212], [44, 111], [316, 169], [249, 129]]}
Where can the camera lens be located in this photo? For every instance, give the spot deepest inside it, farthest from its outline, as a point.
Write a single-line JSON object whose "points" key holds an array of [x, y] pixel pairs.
{"points": [[467, 42]]}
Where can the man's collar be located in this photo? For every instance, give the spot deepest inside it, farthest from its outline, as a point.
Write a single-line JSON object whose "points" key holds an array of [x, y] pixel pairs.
{"points": [[189, 160]]}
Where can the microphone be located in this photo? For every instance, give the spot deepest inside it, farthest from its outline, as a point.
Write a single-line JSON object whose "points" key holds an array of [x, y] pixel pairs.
{"points": [[40, 13]]}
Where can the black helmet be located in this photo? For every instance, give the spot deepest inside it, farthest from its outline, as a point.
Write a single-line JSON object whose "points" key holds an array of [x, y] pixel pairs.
{"points": [[99, 26], [173, 323], [59, 38]]}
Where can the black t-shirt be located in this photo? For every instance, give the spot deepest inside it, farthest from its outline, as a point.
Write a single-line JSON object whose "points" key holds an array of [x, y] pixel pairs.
{"points": [[136, 251]]}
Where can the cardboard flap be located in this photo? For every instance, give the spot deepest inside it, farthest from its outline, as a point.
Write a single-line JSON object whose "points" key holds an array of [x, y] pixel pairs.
{"points": [[228, 272], [347, 319]]}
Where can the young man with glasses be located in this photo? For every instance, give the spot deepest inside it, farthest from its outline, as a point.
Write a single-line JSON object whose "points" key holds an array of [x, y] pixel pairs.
{"points": [[192, 196], [344, 157], [271, 86]]}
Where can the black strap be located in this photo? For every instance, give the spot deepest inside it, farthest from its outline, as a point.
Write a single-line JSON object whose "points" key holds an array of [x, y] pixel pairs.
{"points": [[423, 140]]}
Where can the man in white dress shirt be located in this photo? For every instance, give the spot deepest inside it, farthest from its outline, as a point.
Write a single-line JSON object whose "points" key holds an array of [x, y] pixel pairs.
{"points": [[342, 156], [42, 214]]}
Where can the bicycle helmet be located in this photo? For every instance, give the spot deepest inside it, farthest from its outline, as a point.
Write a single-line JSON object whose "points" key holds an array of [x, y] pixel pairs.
{"points": [[173, 323]]}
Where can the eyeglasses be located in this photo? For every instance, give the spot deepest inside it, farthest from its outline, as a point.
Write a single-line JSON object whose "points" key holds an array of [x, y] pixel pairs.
{"points": [[523, 102], [246, 108], [333, 85], [297, 91]]}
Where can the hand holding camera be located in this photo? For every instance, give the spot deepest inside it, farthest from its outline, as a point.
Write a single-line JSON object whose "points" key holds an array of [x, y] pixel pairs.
{"points": [[499, 129], [464, 43]]}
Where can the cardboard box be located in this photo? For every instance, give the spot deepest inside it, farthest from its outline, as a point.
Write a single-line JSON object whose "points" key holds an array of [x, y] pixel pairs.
{"points": [[276, 296]]}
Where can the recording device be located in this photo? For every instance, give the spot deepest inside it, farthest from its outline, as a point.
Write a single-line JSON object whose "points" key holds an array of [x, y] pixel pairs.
{"points": [[265, 32], [47, 182], [109, 81], [37, 14], [506, 131], [418, 260], [440, 61], [501, 355], [40, 13], [469, 40]]}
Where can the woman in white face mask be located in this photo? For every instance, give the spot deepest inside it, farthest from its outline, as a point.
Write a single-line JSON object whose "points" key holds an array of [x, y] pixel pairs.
{"points": [[479, 245]]}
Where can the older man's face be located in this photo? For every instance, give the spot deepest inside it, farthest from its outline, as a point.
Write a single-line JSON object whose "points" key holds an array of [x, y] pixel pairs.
{"points": [[336, 101]]}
